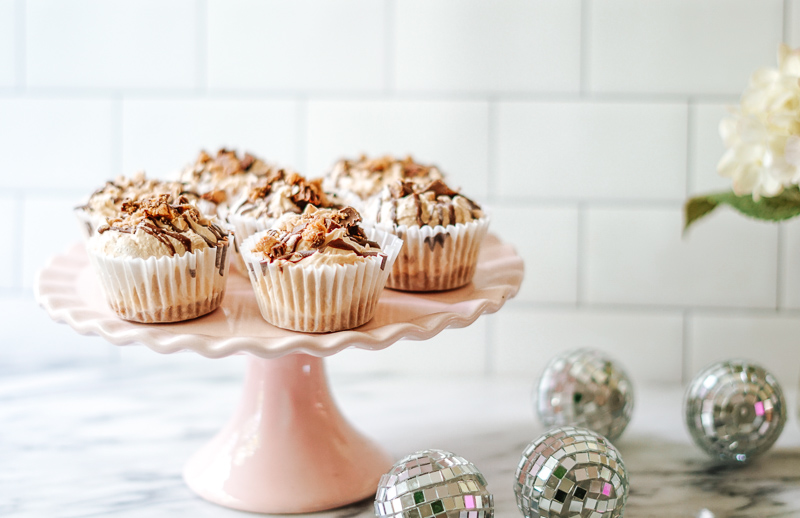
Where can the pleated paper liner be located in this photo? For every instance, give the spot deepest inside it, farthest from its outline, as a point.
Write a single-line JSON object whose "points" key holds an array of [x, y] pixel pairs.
{"points": [[436, 258], [322, 298], [246, 226], [165, 289]]}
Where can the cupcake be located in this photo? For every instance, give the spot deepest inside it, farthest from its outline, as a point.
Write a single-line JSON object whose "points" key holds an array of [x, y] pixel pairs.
{"points": [[278, 193], [357, 181], [161, 262], [224, 177], [107, 201], [319, 271], [441, 229]]}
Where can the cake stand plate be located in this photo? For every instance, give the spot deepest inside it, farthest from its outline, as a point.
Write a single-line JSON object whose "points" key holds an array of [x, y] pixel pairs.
{"points": [[287, 448]]}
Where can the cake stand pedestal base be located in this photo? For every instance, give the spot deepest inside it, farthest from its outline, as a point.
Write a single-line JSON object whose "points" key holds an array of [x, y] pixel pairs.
{"points": [[287, 449]]}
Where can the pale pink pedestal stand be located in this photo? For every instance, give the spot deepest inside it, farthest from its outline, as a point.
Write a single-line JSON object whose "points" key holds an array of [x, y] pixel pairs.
{"points": [[287, 448]]}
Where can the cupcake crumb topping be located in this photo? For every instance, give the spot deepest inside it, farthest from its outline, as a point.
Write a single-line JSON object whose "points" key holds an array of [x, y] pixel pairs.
{"points": [[156, 227], [366, 177], [280, 192], [107, 200], [223, 176], [318, 236], [410, 203]]}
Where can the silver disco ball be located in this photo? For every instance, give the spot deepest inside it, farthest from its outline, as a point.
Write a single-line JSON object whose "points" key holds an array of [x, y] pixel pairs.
{"points": [[584, 388], [571, 472], [433, 483], [735, 410]]}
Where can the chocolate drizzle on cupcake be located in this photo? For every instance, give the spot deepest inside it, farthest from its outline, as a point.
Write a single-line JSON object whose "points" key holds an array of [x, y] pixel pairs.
{"points": [[410, 203], [280, 192], [224, 175], [366, 177], [297, 237], [177, 228], [108, 199]]}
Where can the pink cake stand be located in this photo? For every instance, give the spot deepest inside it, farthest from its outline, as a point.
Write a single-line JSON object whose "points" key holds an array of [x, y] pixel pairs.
{"points": [[287, 448]]}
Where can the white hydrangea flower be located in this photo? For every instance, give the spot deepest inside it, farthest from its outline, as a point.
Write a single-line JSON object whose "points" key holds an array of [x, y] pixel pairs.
{"points": [[762, 133]]}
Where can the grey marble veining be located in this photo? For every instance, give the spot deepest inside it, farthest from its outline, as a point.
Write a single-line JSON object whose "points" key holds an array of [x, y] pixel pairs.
{"points": [[97, 441]]}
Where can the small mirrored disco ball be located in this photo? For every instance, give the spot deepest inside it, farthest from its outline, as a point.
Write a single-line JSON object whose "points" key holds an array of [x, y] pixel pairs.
{"points": [[571, 471], [584, 388], [735, 410], [433, 483]]}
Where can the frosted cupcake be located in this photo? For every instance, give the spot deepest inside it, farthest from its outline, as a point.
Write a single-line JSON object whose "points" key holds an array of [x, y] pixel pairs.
{"points": [[106, 202], [225, 177], [319, 272], [442, 232], [161, 262], [357, 181], [278, 193]]}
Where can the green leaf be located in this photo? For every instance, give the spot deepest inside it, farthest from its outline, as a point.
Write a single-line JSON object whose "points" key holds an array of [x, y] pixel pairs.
{"points": [[779, 208]]}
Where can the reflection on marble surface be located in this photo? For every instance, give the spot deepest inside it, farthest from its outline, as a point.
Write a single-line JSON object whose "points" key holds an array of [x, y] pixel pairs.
{"points": [[86, 442]]}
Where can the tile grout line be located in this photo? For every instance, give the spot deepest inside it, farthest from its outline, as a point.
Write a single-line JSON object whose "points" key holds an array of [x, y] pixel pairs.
{"points": [[389, 47], [787, 15], [633, 307], [686, 375], [21, 53], [690, 150], [301, 134], [201, 73], [19, 238], [118, 123], [491, 151], [585, 24], [157, 93], [580, 265]]}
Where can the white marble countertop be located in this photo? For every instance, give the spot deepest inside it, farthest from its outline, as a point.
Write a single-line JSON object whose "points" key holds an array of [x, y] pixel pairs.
{"points": [[111, 440]]}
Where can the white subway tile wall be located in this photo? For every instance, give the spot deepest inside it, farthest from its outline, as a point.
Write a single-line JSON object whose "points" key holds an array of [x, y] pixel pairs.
{"points": [[680, 47], [582, 124], [57, 142], [48, 227], [9, 212], [707, 147], [512, 46], [453, 134], [303, 45], [548, 243], [789, 274], [792, 23], [8, 43], [119, 45], [763, 338], [591, 151], [163, 135], [637, 255], [647, 344]]}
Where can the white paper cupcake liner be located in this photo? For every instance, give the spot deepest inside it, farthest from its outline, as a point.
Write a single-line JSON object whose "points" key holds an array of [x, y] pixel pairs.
{"points": [[244, 227], [320, 299], [165, 289], [436, 258]]}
